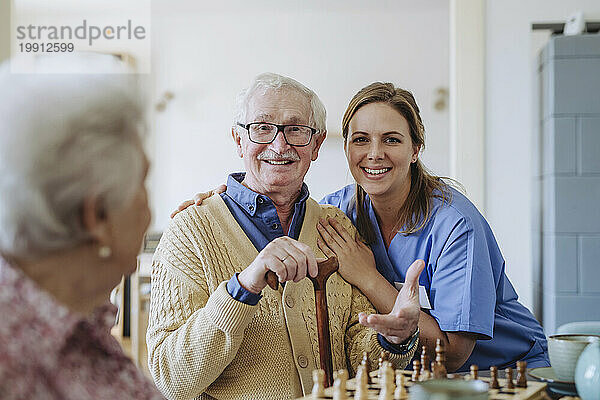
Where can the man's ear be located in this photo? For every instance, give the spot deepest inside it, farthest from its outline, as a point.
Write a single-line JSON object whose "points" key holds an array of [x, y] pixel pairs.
{"points": [[318, 142], [237, 140], [94, 219]]}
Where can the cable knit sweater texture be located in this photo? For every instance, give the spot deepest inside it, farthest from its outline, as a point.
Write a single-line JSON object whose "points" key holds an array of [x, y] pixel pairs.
{"points": [[204, 344]]}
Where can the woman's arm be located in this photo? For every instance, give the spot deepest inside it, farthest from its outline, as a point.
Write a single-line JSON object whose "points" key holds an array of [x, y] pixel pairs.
{"points": [[458, 345], [357, 266], [198, 199]]}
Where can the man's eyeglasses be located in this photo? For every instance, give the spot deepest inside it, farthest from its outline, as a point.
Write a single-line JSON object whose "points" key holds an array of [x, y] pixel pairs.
{"points": [[264, 133]]}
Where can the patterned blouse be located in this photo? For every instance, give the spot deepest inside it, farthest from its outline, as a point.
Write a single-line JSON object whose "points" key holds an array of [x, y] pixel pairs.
{"points": [[50, 352]]}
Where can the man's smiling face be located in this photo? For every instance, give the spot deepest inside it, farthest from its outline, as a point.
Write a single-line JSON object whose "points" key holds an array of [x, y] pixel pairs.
{"points": [[276, 167]]}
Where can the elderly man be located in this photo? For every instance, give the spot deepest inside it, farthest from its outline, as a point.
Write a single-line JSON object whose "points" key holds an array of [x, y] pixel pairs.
{"points": [[215, 332]]}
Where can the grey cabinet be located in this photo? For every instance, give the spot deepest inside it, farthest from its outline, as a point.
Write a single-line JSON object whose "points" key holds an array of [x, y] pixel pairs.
{"points": [[569, 231]]}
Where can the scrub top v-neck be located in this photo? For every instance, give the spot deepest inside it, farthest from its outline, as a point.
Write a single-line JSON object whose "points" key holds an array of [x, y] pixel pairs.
{"points": [[464, 278]]}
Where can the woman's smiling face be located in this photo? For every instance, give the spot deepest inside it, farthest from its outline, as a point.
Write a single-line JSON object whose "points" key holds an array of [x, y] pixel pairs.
{"points": [[379, 150]]}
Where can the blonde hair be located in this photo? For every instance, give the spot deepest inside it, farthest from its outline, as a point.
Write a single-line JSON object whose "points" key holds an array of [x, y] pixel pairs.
{"points": [[416, 210]]}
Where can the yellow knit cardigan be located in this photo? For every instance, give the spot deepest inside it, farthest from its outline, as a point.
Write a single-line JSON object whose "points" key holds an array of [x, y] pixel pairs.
{"points": [[204, 344]]}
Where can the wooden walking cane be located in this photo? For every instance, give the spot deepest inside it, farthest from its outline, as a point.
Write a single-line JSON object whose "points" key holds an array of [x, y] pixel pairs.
{"points": [[326, 268]]}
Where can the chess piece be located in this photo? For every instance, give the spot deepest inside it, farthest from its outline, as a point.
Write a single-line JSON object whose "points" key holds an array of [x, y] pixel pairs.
{"points": [[318, 389], [494, 384], [367, 365], [509, 378], [339, 385], [424, 362], [521, 374], [474, 372], [362, 385], [435, 371], [387, 382], [400, 392], [416, 371], [439, 369], [385, 356]]}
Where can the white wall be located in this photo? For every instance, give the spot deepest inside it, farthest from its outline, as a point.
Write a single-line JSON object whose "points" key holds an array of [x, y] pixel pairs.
{"points": [[467, 102], [206, 52], [510, 124]]}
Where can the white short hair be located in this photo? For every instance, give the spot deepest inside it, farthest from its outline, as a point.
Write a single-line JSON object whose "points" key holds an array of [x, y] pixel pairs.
{"points": [[271, 81], [64, 137]]}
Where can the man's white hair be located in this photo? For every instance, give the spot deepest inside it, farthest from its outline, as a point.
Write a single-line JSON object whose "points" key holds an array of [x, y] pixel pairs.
{"points": [[64, 137], [271, 81]]}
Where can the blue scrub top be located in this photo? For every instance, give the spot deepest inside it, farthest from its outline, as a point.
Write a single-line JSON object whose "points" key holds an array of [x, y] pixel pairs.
{"points": [[464, 278]]}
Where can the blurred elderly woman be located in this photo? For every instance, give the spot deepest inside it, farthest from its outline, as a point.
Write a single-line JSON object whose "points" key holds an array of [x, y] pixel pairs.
{"points": [[73, 211]]}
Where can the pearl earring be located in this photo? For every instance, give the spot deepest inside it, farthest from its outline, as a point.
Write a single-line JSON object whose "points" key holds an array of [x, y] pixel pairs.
{"points": [[104, 252]]}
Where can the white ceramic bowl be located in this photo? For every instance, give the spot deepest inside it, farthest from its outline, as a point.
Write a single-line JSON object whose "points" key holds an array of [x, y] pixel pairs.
{"points": [[564, 350]]}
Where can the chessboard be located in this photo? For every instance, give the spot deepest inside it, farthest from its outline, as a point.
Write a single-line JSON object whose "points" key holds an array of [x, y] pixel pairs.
{"points": [[387, 384], [534, 390]]}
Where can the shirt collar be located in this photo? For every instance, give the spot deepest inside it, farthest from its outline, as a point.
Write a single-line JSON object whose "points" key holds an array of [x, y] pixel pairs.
{"points": [[249, 200]]}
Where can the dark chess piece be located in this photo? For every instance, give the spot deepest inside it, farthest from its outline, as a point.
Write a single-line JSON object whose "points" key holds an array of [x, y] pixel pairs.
{"points": [[521, 374], [385, 356], [416, 371], [494, 384], [424, 359], [509, 378], [424, 362], [439, 371], [474, 372]]}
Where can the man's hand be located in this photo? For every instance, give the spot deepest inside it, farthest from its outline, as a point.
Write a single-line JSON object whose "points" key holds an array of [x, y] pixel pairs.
{"points": [[401, 323], [198, 199], [288, 258]]}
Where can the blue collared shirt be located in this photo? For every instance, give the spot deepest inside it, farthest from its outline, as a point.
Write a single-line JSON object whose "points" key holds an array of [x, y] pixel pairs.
{"points": [[257, 216], [464, 278]]}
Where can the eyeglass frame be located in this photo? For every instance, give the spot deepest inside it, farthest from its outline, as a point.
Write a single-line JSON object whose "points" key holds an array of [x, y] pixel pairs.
{"points": [[280, 128]]}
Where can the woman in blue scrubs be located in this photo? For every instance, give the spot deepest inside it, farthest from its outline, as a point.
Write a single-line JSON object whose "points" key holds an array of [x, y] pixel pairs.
{"points": [[404, 213]]}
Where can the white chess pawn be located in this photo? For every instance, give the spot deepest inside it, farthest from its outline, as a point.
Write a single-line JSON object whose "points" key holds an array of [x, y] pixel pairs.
{"points": [[400, 392], [339, 385], [318, 389]]}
